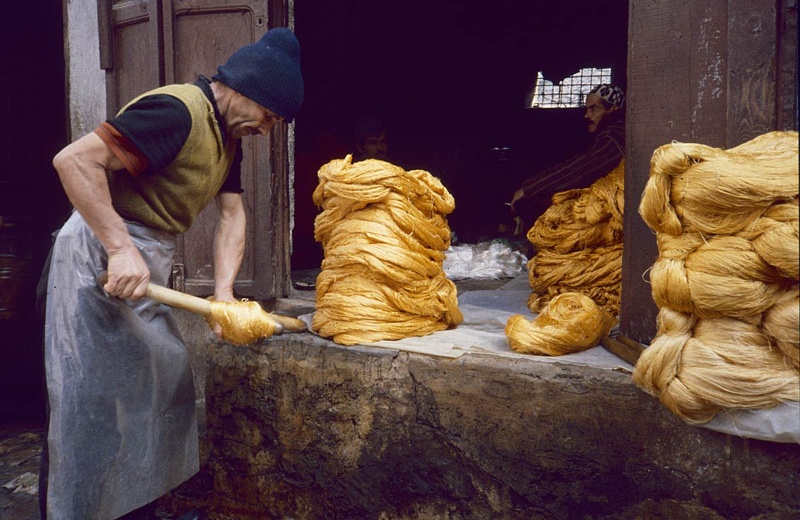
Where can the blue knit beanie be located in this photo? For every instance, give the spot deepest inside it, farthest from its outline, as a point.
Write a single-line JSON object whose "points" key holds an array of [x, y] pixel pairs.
{"points": [[268, 72]]}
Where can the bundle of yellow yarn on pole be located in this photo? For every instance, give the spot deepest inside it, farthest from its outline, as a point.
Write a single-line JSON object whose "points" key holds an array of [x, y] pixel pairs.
{"points": [[726, 279], [383, 232], [578, 243]]}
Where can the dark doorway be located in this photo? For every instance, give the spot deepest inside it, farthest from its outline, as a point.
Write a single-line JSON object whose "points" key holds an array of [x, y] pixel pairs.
{"points": [[32, 203], [449, 79]]}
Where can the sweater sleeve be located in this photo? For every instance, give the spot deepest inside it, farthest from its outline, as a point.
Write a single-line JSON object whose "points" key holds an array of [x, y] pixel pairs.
{"points": [[580, 170], [157, 126]]}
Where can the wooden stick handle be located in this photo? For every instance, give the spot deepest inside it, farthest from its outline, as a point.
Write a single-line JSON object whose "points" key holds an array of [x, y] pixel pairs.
{"points": [[202, 306], [290, 324], [191, 303], [179, 300], [171, 297]]}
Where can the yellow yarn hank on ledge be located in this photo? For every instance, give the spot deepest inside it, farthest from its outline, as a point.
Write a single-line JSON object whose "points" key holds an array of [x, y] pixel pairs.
{"points": [[242, 322], [571, 322], [698, 368], [384, 232], [578, 242], [726, 278]]}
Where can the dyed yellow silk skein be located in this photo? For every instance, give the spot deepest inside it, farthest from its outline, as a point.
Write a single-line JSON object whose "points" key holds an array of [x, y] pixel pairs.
{"points": [[570, 322], [726, 278], [384, 232], [242, 322], [578, 243]]}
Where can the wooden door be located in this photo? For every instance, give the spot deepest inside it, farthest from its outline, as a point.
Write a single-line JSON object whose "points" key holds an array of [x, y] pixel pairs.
{"points": [[157, 42], [714, 72]]}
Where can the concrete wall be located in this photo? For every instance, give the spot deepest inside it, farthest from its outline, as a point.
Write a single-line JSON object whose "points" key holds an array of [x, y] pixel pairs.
{"points": [[86, 87], [299, 427]]}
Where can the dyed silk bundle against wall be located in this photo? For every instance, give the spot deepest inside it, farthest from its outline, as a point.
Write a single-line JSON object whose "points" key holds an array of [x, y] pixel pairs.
{"points": [[383, 232], [578, 243], [726, 279], [576, 271]]}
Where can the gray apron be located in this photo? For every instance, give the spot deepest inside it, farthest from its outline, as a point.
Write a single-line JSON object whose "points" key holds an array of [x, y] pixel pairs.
{"points": [[123, 429]]}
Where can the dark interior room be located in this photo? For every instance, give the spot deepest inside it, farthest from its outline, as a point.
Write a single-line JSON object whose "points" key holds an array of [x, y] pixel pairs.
{"points": [[450, 81], [32, 203]]}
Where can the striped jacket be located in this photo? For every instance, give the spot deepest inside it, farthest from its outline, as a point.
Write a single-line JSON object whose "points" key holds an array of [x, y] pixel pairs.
{"points": [[581, 170]]}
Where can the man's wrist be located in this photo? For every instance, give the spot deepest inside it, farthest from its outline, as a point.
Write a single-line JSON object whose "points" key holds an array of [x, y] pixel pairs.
{"points": [[224, 294]]}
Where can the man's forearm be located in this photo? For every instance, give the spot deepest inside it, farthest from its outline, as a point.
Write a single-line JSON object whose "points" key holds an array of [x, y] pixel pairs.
{"points": [[229, 243], [85, 183], [82, 167]]}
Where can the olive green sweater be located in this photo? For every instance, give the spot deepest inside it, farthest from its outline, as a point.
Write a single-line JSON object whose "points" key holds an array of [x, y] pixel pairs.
{"points": [[171, 198]]}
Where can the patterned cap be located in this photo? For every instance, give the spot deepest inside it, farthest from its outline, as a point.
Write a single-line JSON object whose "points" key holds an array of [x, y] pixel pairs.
{"points": [[610, 93]]}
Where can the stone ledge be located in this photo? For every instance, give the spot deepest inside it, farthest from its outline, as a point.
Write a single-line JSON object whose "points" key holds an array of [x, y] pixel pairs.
{"points": [[301, 427]]}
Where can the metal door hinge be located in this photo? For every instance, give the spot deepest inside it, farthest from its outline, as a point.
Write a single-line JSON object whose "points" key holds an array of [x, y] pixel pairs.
{"points": [[178, 278]]}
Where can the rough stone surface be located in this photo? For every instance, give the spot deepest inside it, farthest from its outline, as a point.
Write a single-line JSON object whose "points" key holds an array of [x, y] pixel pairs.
{"points": [[20, 458], [299, 427]]}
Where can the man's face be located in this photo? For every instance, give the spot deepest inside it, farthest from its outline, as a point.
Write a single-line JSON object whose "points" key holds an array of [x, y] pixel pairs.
{"points": [[595, 112], [375, 146], [246, 117]]}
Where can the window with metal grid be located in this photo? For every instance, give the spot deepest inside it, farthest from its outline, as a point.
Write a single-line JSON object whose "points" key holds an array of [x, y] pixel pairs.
{"points": [[570, 92]]}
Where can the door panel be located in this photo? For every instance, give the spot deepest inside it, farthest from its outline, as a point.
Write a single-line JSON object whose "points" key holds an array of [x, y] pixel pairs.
{"points": [[205, 34], [135, 64]]}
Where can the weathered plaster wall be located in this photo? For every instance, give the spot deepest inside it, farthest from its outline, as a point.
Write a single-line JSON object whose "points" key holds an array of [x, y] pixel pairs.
{"points": [[86, 88], [299, 427]]}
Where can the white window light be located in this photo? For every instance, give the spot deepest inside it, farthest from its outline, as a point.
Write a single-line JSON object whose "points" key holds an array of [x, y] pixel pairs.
{"points": [[570, 92]]}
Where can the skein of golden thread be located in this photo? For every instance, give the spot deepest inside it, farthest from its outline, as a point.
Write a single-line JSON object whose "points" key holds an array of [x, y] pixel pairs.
{"points": [[578, 242], [242, 322], [571, 322], [726, 279], [384, 232]]}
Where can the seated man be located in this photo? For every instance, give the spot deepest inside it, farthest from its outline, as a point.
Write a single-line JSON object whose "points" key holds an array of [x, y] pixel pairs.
{"points": [[371, 139], [605, 119]]}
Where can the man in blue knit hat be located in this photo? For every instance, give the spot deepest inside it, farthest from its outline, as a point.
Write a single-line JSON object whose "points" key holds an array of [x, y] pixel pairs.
{"points": [[122, 427]]}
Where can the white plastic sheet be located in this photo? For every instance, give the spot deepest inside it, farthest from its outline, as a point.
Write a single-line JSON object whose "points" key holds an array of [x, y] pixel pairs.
{"points": [[123, 429], [490, 260]]}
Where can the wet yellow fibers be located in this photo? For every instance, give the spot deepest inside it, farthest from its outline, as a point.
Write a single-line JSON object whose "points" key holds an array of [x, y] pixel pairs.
{"points": [[583, 218], [242, 322], [720, 276], [694, 187], [384, 232], [780, 324], [597, 273], [698, 368], [725, 280], [571, 322], [578, 243]]}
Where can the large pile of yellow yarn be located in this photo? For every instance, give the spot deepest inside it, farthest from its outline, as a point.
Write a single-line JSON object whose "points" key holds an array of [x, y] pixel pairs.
{"points": [[578, 243], [383, 232], [726, 279]]}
